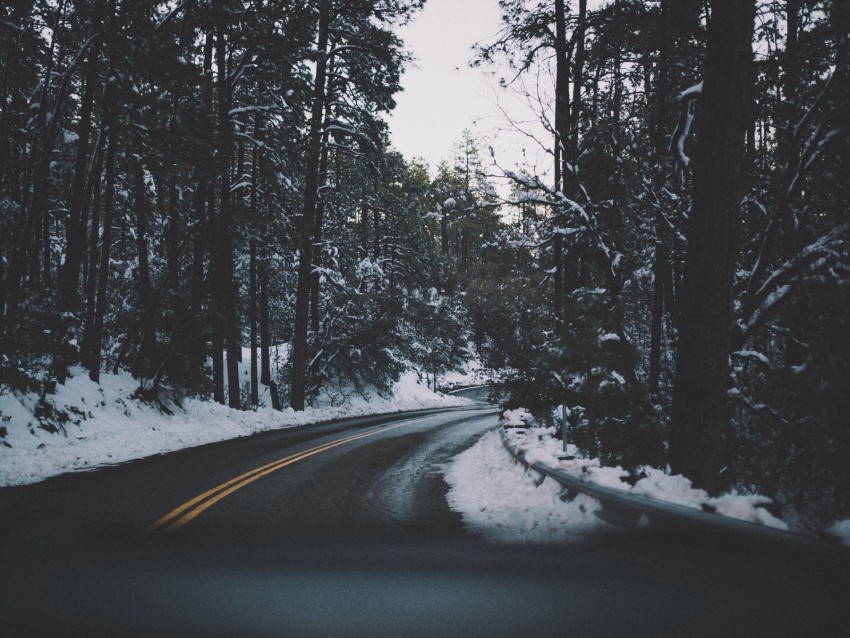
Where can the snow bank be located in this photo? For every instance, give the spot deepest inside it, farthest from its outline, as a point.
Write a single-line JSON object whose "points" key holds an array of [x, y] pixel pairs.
{"points": [[502, 502], [539, 445], [517, 418], [840, 529], [104, 426]]}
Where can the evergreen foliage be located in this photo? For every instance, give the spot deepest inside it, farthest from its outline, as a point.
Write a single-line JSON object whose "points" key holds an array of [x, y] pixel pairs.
{"points": [[182, 180]]}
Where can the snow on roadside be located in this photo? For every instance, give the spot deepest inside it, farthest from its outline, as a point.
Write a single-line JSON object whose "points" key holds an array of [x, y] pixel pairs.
{"points": [[840, 530], [540, 445], [105, 426], [503, 502]]}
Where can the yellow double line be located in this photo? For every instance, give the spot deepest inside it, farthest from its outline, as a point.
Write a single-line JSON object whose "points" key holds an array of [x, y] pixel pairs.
{"points": [[179, 516]]}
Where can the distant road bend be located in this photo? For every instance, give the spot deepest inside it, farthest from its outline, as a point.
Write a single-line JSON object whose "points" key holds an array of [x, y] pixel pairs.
{"points": [[342, 529]]}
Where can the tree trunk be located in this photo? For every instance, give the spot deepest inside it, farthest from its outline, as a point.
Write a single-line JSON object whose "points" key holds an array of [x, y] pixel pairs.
{"points": [[215, 309], [660, 147], [315, 285], [376, 234], [659, 273], [562, 95], [265, 332], [105, 247], [311, 192], [172, 238], [143, 280], [558, 257], [94, 240], [76, 220], [787, 147], [578, 81], [38, 211], [702, 366], [199, 247], [230, 335], [252, 318]]}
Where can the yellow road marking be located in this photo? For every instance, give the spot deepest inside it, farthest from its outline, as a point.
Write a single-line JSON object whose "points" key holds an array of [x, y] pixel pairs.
{"points": [[181, 515]]}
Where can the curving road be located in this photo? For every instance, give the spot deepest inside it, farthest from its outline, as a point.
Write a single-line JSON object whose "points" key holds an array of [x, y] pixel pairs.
{"points": [[342, 530]]}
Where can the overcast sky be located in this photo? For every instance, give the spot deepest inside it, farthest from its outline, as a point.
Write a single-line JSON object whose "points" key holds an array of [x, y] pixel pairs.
{"points": [[442, 96]]}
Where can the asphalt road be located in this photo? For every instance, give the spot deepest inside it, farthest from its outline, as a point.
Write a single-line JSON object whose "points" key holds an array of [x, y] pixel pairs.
{"points": [[342, 530]]}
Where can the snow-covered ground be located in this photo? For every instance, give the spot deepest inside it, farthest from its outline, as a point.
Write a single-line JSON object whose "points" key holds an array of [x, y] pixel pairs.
{"points": [[840, 530], [502, 501], [105, 425], [539, 445]]}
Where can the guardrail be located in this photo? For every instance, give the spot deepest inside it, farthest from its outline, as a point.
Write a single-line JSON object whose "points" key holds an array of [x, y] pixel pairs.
{"points": [[635, 510]]}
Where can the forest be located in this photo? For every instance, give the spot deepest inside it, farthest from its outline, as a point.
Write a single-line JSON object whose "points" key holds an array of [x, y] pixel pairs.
{"points": [[181, 180]]}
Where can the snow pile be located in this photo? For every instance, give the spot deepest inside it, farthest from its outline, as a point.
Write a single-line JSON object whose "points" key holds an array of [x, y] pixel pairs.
{"points": [[841, 530], [502, 502], [517, 418], [102, 425], [673, 489], [539, 445]]}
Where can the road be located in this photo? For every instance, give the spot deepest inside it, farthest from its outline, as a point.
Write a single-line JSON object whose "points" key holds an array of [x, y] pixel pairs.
{"points": [[342, 529]]}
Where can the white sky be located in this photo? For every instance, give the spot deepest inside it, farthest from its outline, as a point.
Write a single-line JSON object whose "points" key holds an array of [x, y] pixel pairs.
{"points": [[442, 96]]}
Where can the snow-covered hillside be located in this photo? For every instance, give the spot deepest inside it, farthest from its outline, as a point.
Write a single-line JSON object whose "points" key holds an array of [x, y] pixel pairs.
{"points": [[102, 425]]}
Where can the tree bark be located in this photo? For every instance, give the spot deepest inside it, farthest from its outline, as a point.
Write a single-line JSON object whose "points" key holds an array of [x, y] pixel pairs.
{"points": [[578, 81], [315, 285], [311, 192], [659, 273], [265, 332], [105, 247], [562, 95], [659, 177], [172, 237], [702, 365], [143, 280], [215, 309], [94, 240], [76, 220], [226, 226], [252, 315], [558, 257]]}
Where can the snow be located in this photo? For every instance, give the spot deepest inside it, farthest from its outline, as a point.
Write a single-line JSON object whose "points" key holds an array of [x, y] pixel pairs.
{"points": [[539, 445], [696, 89], [106, 426], [471, 374], [747, 507], [619, 378], [841, 530], [502, 502], [752, 354], [672, 489], [517, 418]]}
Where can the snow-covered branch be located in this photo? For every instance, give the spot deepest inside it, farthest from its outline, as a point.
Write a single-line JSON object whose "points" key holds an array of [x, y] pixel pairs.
{"points": [[683, 126]]}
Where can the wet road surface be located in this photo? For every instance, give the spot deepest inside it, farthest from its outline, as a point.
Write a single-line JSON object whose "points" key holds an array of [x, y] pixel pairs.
{"points": [[342, 530]]}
